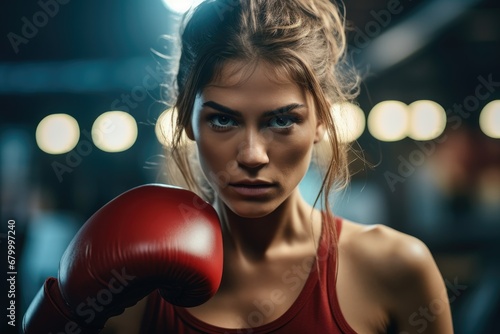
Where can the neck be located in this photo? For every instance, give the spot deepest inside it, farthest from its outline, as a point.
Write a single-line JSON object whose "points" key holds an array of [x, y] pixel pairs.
{"points": [[258, 238]]}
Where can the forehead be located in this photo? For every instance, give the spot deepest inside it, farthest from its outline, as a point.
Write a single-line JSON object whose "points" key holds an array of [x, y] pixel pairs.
{"points": [[255, 81]]}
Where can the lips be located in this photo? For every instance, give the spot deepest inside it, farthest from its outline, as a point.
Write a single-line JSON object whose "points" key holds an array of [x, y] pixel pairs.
{"points": [[252, 187]]}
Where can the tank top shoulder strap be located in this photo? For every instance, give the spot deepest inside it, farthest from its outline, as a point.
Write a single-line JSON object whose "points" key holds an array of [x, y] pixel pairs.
{"points": [[332, 275], [328, 220]]}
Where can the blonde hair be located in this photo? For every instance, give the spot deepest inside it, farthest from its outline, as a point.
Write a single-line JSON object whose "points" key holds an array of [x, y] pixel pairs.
{"points": [[302, 39]]}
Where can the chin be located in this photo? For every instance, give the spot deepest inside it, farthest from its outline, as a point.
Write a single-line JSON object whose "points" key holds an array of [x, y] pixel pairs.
{"points": [[251, 210], [251, 215]]}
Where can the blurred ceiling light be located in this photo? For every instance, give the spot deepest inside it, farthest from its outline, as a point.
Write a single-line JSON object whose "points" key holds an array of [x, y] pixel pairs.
{"points": [[181, 6], [388, 121], [489, 119], [164, 128], [350, 121], [57, 134], [427, 120], [114, 131]]}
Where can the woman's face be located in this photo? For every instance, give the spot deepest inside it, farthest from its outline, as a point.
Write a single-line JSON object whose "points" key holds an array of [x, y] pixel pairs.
{"points": [[255, 138]]}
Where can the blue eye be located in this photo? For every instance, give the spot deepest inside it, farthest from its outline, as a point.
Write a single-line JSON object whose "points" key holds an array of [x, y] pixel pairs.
{"points": [[221, 121], [281, 122]]}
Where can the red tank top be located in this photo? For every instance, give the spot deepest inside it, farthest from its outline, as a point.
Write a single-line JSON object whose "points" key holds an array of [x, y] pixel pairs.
{"points": [[316, 309]]}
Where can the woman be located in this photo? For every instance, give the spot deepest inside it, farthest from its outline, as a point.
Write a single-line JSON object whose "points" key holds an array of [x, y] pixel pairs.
{"points": [[255, 84]]}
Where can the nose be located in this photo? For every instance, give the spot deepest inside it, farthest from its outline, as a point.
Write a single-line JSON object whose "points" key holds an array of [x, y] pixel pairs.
{"points": [[252, 151]]}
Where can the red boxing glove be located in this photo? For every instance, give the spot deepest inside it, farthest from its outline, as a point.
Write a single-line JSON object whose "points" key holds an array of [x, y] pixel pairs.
{"points": [[150, 237]]}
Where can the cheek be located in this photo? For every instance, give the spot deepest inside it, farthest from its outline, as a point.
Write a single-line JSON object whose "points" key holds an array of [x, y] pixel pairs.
{"points": [[293, 157], [216, 160]]}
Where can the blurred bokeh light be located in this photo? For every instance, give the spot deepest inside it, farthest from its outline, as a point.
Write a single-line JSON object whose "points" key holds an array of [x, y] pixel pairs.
{"points": [[163, 128], [114, 131], [388, 121], [489, 120], [57, 134], [350, 121], [181, 6], [427, 120]]}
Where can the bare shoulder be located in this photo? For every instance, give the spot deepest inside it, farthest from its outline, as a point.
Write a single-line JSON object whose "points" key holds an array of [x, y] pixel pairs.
{"points": [[391, 256], [399, 276]]}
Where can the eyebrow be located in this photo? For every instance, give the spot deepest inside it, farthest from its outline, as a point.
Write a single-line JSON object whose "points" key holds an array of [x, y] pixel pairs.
{"points": [[281, 110]]}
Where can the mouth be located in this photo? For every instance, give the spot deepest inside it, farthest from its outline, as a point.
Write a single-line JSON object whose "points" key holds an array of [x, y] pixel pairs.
{"points": [[252, 188]]}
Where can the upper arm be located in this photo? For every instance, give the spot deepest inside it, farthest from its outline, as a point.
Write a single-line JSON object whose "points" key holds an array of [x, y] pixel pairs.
{"points": [[418, 296]]}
